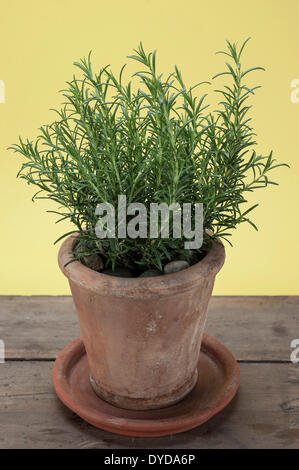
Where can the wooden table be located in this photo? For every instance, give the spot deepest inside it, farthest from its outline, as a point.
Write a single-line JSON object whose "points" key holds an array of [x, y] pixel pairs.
{"points": [[258, 330]]}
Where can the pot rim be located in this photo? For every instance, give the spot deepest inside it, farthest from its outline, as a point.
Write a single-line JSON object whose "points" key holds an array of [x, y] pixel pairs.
{"points": [[102, 284]]}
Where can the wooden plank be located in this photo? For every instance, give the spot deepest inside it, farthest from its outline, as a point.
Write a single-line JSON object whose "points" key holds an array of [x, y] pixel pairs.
{"points": [[254, 328], [264, 414], [37, 327]]}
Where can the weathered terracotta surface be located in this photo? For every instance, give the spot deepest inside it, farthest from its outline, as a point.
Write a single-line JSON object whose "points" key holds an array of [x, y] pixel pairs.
{"points": [[215, 387], [142, 335]]}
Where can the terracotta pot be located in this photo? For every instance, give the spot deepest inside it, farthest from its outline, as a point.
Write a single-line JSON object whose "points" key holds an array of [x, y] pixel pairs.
{"points": [[142, 335]]}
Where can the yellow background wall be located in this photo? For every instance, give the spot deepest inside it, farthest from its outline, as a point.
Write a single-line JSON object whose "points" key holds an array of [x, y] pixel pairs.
{"points": [[40, 40]]}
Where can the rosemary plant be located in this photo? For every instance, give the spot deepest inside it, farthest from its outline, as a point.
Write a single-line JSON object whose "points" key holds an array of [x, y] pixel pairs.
{"points": [[156, 143]]}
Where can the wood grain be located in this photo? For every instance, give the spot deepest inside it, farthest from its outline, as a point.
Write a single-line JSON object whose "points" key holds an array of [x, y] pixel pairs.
{"points": [[258, 330], [254, 328], [264, 414]]}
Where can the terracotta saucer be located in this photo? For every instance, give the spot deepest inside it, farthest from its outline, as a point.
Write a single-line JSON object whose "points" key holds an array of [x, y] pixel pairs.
{"points": [[218, 381]]}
